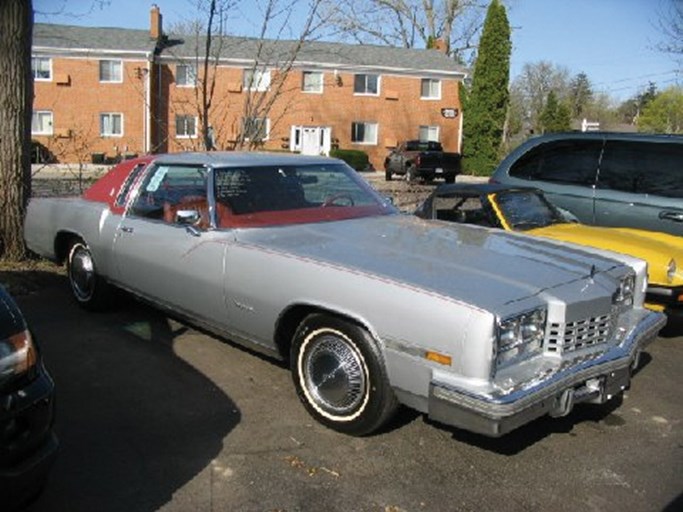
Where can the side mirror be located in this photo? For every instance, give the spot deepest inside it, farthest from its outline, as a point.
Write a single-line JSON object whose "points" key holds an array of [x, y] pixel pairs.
{"points": [[568, 216], [187, 217]]}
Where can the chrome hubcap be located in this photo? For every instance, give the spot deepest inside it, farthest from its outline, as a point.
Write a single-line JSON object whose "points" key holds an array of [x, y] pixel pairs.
{"points": [[82, 274], [334, 375]]}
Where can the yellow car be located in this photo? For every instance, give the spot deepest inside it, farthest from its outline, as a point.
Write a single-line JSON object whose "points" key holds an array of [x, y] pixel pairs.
{"points": [[527, 210]]}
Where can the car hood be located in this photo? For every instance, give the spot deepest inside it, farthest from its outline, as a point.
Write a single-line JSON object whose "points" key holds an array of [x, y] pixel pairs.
{"points": [[485, 267], [658, 249]]}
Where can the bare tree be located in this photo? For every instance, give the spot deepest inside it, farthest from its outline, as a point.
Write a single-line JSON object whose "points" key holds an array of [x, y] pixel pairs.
{"points": [[529, 92], [205, 36], [671, 25], [16, 98], [75, 145], [211, 44], [409, 23], [276, 58]]}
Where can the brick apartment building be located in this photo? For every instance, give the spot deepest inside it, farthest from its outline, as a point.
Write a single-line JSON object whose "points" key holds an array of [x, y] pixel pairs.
{"points": [[105, 93]]}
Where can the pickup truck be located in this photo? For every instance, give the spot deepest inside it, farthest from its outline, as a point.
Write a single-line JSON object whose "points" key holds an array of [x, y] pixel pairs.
{"points": [[417, 159]]}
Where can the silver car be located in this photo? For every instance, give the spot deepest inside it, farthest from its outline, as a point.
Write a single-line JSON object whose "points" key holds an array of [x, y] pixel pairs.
{"points": [[299, 258]]}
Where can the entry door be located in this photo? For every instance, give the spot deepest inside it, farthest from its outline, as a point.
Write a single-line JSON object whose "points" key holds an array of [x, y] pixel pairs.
{"points": [[310, 141]]}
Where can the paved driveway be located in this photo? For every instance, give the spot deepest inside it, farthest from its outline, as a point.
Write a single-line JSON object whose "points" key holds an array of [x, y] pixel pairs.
{"points": [[155, 415]]}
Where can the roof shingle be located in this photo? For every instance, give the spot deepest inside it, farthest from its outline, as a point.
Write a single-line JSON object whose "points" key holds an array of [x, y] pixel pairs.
{"points": [[321, 53]]}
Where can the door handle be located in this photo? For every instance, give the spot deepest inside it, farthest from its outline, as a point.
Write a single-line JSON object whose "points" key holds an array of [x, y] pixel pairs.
{"points": [[126, 229], [673, 216]]}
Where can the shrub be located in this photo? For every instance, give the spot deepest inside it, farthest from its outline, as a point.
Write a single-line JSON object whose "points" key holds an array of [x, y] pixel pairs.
{"points": [[356, 158]]}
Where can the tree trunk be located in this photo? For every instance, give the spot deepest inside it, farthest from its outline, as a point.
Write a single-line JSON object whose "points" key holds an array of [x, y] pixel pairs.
{"points": [[16, 99]]}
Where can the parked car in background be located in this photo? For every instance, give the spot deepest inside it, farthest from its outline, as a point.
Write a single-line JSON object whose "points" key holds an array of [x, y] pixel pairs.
{"points": [[300, 258], [28, 445], [421, 159], [527, 210], [605, 179]]}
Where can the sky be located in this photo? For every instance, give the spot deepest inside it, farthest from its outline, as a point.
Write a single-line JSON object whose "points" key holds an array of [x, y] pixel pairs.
{"points": [[612, 41]]}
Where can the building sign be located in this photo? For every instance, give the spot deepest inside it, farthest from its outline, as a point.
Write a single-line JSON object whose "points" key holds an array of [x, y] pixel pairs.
{"points": [[449, 113]]}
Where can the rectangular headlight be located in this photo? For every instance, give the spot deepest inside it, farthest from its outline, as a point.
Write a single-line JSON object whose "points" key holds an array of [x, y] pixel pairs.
{"points": [[520, 337], [625, 291]]}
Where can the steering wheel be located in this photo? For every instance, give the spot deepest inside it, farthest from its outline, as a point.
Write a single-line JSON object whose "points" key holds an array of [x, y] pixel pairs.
{"points": [[331, 200]]}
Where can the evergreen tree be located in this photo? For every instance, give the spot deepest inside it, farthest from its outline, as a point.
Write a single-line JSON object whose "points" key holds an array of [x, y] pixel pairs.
{"points": [[555, 116], [581, 94], [487, 102]]}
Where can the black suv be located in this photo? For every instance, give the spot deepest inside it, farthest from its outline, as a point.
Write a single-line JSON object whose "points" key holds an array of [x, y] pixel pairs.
{"points": [[28, 445], [605, 179]]}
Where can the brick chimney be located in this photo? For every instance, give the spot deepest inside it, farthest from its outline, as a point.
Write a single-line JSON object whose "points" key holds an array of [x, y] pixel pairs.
{"points": [[155, 19], [440, 45]]}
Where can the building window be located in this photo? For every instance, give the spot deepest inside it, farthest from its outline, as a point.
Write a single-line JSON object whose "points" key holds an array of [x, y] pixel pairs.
{"points": [[295, 139], [429, 133], [430, 89], [111, 125], [364, 133], [366, 84], [185, 127], [255, 128], [256, 80], [185, 75], [312, 81], [41, 123], [111, 71], [41, 68]]}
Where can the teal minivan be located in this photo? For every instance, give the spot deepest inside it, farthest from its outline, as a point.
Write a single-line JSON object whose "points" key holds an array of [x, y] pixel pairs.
{"points": [[604, 179]]}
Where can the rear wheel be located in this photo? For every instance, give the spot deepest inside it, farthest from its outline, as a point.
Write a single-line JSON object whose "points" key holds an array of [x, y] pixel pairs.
{"points": [[450, 178], [88, 289], [340, 377]]}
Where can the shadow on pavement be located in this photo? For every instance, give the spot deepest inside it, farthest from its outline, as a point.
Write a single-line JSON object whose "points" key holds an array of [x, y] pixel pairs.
{"points": [[135, 422], [674, 325]]}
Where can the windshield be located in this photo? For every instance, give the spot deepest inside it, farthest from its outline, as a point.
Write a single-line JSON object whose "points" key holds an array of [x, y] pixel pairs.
{"points": [[286, 194], [527, 210]]}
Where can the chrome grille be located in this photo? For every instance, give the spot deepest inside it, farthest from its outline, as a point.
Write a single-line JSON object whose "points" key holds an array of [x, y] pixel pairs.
{"points": [[573, 336]]}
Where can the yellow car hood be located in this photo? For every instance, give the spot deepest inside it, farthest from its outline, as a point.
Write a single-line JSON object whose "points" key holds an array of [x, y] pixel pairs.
{"points": [[658, 249]]}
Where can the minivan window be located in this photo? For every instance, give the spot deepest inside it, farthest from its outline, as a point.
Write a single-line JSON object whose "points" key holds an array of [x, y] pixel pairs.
{"points": [[564, 161], [642, 168]]}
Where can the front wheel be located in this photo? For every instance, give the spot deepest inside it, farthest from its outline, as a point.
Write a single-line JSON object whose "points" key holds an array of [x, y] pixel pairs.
{"points": [[340, 377], [387, 175], [89, 289]]}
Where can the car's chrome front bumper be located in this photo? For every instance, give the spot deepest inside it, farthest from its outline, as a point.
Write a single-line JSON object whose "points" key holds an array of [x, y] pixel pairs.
{"points": [[593, 380]]}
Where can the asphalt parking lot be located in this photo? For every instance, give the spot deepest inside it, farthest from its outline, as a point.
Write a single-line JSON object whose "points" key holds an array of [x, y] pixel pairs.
{"points": [[154, 415]]}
